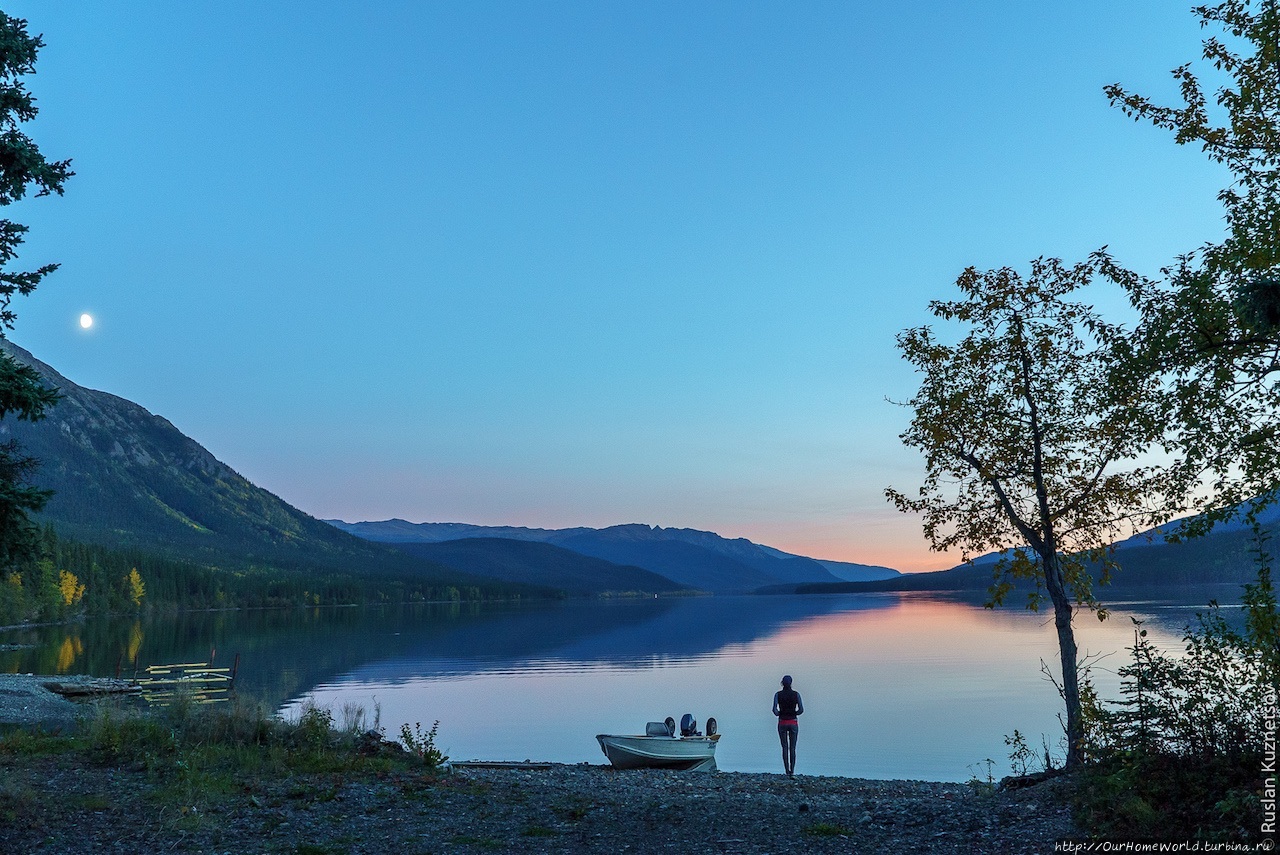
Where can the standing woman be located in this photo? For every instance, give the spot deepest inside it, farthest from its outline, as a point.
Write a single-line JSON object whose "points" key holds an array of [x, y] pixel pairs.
{"points": [[788, 707]]}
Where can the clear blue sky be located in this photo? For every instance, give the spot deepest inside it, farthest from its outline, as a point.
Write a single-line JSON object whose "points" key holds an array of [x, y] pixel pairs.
{"points": [[559, 264]]}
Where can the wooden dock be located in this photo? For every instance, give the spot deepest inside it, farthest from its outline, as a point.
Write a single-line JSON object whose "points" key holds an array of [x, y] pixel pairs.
{"points": [[200, 681]]}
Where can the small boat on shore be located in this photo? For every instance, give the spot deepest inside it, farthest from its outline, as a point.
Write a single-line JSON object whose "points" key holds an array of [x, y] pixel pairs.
{"points": [[661, 748]]}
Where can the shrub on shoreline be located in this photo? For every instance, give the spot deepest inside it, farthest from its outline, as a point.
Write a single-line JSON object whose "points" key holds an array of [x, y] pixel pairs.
{"points": [[1181, 756]]}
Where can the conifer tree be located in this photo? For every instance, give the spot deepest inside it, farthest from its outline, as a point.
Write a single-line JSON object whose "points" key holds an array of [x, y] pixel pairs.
{"points": [[23, 170]]}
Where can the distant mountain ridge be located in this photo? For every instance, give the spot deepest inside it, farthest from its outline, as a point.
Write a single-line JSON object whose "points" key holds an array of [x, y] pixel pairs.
{"points": [[533, 562], [1147, 564], [697, 559], [125, 477]]}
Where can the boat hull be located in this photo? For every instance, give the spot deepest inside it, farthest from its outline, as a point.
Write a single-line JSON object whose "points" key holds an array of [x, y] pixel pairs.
{"points": [[686, 753]]}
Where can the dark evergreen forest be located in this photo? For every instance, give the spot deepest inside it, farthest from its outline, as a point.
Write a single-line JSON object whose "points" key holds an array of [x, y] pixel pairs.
{"points": [[70, 578]]}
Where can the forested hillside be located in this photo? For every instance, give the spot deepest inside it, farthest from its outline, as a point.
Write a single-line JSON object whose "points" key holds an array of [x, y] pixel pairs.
{"points": [[76, 578]]}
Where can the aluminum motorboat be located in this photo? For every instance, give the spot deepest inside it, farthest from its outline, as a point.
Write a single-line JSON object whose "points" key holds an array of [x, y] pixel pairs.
{"points": [[661, 748]]}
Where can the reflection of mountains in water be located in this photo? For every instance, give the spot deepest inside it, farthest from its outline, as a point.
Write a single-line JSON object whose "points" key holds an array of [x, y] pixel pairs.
{"points": [[408, 645], [624, 634], [286, 653], [401, 645]]}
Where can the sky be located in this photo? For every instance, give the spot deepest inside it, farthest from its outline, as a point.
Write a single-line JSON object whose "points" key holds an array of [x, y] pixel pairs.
{"points": [[578, 264]]}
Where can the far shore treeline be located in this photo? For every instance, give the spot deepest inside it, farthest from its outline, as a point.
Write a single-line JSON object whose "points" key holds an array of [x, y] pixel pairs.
{"points": [[69, 579]]}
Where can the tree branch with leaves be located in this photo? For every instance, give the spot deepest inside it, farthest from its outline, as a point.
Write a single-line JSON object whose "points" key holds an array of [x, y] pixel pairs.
{"points": [[1210, 326]]}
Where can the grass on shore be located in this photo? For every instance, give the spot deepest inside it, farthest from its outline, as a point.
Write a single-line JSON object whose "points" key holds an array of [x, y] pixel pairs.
{"points": [[198, 757]]}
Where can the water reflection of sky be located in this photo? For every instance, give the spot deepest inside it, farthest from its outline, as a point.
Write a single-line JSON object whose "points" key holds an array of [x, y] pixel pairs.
{"points": [[894, 686]]}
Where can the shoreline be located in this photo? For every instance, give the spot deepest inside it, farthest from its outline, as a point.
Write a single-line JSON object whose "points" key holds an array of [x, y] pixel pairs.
{"points": [[172, 608], [28, 701], [376, 804]]}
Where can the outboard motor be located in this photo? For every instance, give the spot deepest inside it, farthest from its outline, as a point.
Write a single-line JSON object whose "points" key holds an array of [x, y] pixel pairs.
{"points": [[688, 725], [671, 726]]}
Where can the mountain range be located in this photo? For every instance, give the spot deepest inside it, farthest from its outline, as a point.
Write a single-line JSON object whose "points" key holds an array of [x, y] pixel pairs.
{"points": [[526, 561], [695, 559], [1227, 555], [125, 478]]}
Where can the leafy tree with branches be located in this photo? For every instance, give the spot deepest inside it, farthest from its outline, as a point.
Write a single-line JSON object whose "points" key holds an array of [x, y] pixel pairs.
{"points": [[1210, 327], [1038, 425], [23, 169], [1033, 430]]}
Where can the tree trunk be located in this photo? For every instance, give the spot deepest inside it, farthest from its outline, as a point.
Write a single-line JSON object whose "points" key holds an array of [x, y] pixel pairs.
{"points": [[1057, 588]]}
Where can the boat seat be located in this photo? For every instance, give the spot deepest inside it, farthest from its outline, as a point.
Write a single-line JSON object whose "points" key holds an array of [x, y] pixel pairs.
{"points": [[656, 728]]}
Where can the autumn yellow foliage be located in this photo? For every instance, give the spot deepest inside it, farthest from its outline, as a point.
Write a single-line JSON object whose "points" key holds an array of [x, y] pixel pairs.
{"points": [[70, 588], [134, 587]]}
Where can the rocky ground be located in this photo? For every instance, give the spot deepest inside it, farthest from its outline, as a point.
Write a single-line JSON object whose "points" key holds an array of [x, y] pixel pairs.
{"points": [[51, 805], [25, 700], [63, 802]]}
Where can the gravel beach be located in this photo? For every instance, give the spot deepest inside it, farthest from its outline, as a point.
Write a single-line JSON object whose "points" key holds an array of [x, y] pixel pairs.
{"points": [[58, 803], [24, 700], [72, 809]]}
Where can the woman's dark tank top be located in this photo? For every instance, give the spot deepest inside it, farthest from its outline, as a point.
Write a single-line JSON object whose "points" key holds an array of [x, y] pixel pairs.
{"points": [[787, 702]]}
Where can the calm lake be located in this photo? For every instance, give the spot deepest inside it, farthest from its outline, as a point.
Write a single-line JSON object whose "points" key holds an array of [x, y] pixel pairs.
{"points": [[895, 686]]}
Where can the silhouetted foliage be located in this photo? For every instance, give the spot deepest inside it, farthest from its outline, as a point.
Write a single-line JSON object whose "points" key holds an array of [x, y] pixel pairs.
{"points": [[1183, 753], [1211, 325], [22, 169]]}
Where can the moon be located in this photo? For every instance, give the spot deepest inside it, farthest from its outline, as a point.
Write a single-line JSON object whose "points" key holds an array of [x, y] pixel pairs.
{"points": [[86, 321]]}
